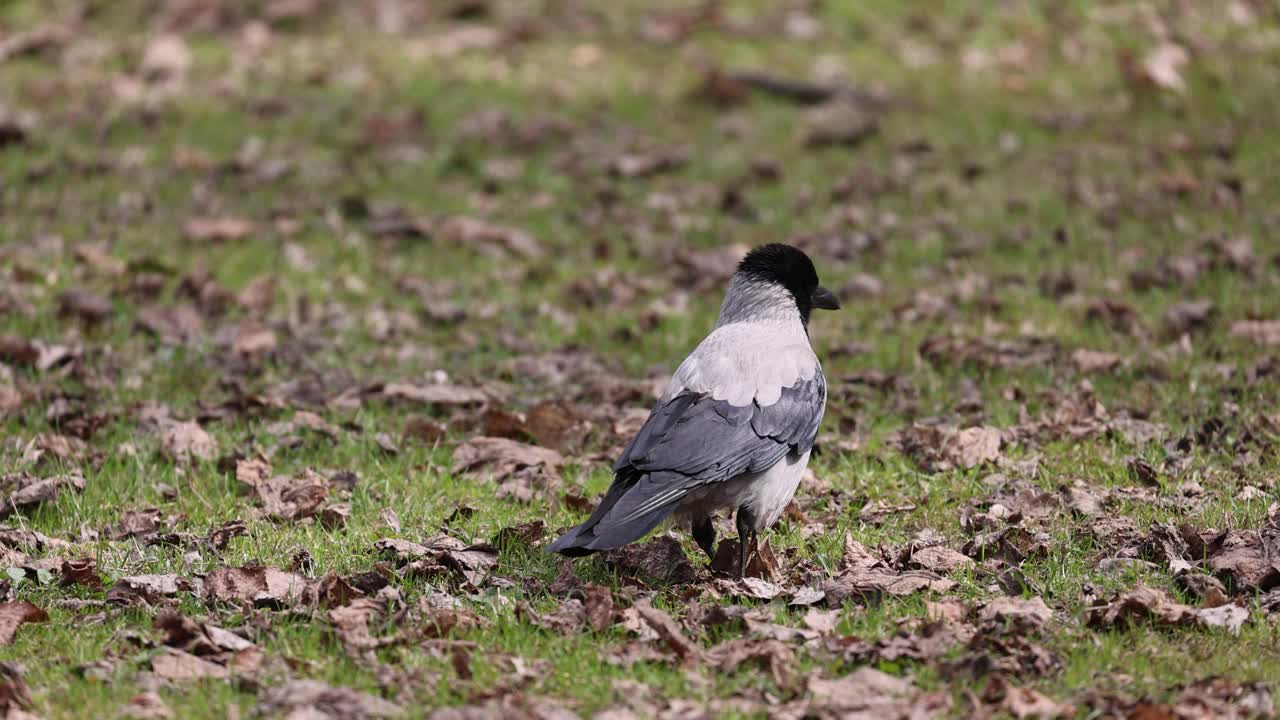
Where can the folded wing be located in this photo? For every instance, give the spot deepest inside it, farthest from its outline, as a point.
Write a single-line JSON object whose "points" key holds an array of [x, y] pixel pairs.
{"points": [[692, 439]]}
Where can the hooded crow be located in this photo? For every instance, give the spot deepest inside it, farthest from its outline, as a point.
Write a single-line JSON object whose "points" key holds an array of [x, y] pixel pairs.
{"points": [[734, 429]]}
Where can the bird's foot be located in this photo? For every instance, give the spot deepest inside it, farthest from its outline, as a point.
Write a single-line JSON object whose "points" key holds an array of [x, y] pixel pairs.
{"points": [[704, 533], [746, 521]]}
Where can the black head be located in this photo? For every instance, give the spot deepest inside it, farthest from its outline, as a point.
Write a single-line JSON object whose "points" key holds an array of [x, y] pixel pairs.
{"points": [[789, 267]]}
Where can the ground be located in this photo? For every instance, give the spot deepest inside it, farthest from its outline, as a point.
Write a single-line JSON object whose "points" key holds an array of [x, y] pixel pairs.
{"points": [[320, 319]]}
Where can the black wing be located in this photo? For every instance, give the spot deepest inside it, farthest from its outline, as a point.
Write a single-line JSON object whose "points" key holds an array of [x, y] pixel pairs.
{"points": [[689, 441]]}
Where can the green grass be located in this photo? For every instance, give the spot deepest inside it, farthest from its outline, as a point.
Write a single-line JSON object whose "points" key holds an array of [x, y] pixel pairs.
{"points": [[1035, 201]]}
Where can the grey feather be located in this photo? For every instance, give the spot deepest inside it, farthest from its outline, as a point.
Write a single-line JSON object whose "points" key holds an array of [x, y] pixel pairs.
{"points": [[691, 440]]}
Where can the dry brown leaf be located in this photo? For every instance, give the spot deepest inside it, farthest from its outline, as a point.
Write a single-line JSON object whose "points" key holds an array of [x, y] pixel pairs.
{"points": [[259, 295], [147, 705], [1146, 604], [166, 59], [869, 585], [823, 621], [1024, 702], [149, 589], [1092, 361], [176, 325], [518, 467], [660, 560], [27, 491], [1162, 66], [85, 305], [253, 471], [10, 401], [136, 523], [293, 498], [352, 623], [441, 555], [186, 441], [938, 449], [252, 340], [940, 559], [256, 584], [773, 655], [14, 693], [207, 641], [218, 229], [83, 571], [314, 699], [435, 394], [1028, 614], [490, 237], [761, 562], [840, 123], [865, 693], [14, 614], [668, 631], [1261, 332], [597, 607], [180, 666]]}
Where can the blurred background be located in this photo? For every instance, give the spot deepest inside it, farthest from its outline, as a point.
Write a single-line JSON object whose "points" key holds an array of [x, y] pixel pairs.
{"points": [[1052, 224], [444, 184]]}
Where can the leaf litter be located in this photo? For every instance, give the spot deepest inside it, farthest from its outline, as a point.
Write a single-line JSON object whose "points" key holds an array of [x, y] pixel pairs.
{"points": [[986, 401]]}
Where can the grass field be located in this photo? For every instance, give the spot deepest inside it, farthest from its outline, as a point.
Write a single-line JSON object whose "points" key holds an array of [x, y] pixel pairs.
{"points": [[275, 274]]}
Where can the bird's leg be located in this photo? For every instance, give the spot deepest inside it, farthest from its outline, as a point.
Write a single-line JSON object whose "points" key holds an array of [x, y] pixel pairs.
{"points": [[746, 522], [704, 533]]}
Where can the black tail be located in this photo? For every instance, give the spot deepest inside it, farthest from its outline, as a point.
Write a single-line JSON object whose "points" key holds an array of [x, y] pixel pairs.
{"points": [[613, 523]]}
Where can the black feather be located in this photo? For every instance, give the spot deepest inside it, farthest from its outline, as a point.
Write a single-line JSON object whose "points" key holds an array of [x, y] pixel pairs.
{"points": [[689, 441]]}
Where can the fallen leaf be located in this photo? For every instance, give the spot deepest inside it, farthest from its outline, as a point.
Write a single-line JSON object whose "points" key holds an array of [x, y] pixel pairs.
{"points": [[14, 693], [259, 295], [1091, 361], [167, 58], [83, 571], [176, 325], [149, 589], [186, 441], [938, 449], [823, 621], [10, 401], [1187, 316], [867, 586], [597, 607], [293, 498], [26, 491], [660, 560], [1026, 614], [15, 613], [314, 699], [491, 237], [1024, 702], [773, 655], [668, 631], [863, 693], [180, 666], [1261, 332], [839, 123], [1162, 66], [435, 394], [218, 229], [255, 584], [1150, 605], [147, 705], [940, 559], [201, 639], [136, 523], [441, 555], [85, 305]]}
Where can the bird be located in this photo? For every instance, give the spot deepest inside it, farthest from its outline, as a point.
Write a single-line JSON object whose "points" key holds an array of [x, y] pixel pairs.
{"points": [[734, 428]]}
